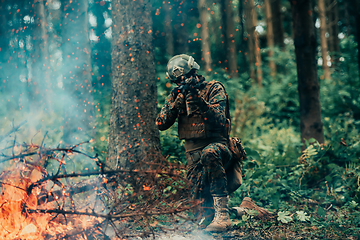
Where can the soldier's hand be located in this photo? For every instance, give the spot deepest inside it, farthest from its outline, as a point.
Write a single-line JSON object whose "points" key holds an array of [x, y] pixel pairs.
{"points": [[179, 102], [175, 92], [194, 101], [194, 98]]}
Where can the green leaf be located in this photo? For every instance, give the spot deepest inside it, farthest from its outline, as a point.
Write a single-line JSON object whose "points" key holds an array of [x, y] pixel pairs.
{"points": [[302, 216], [284, 217], [321, 212], [353, 204]]}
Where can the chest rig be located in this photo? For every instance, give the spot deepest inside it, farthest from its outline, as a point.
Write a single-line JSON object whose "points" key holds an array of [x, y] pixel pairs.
{"points": [[198, 126]]}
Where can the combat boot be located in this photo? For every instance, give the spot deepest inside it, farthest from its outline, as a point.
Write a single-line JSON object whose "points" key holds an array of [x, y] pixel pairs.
{"points": [[221, 221]]}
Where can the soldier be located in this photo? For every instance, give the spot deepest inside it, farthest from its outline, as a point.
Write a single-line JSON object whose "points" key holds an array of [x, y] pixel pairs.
{"points": [[200, 109]]}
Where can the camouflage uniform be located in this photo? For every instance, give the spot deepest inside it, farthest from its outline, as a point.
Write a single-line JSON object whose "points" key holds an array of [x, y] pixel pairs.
{"points": [[205, 134]]}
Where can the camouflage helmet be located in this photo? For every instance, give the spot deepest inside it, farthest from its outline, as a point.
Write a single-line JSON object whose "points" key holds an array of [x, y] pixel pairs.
{"points": [[180, 65]]}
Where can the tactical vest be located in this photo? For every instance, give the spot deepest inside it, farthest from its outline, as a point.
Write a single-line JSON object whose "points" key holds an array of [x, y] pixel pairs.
{"points": [[196, 127]]}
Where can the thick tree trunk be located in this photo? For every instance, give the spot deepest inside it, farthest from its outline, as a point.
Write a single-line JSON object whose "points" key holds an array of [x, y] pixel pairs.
{"points": [[78, 104], [132, 131], [270, 36], [305, 50], [205, 37], [324, 47], [230, 38], [168, 26]]}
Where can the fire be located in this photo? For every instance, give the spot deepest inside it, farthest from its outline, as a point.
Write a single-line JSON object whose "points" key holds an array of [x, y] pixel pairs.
{"points": [[16, 224], [21, 214]]}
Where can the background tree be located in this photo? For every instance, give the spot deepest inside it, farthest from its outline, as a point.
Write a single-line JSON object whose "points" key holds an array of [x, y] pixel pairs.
{"points": [[168, 28], [333, 29], [323, 40], [253, 41], [132, 130], [230, 38], [40, 55], [308, 86], [270, 35], [277, 22], [205, 37], [356, 13]]}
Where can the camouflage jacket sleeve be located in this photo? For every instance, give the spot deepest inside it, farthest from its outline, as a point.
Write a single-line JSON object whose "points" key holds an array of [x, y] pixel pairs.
{"points": [[215, 109], [168, 114]]}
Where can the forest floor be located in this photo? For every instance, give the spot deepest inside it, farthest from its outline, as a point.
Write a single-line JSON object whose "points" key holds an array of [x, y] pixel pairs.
{"points": [[330, 222]]}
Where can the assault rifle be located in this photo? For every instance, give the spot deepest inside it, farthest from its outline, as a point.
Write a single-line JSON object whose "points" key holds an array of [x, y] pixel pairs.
{"points": [[188, 85]]}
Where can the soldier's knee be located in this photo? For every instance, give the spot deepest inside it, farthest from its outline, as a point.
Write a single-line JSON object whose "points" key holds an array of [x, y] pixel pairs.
{"points": [[209, 155]]}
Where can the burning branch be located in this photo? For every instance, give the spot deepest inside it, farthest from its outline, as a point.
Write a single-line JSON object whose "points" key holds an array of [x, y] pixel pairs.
{"points": [[61, 204]]}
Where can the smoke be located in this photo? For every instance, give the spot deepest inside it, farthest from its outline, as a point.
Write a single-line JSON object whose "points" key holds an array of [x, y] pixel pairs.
{"points": [[194, 235], [40, 85]]}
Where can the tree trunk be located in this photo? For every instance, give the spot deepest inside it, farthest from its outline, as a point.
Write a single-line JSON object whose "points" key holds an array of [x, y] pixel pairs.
{"points": [[101, 58], [181, 29], [230, 38], [333, 28], [324, 47], [250, 39], [277, 23], [132, 131], [242, 36], [40, 82], [253, 42], [308, 86], [223, 37], [258, 62], [168, 27], [4, 46], [270, 36], [205, 37], [357, 19], [78, 104]]}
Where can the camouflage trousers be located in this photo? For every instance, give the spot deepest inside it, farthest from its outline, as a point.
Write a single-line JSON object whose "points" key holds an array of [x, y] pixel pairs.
{"points": [[206, 170]]}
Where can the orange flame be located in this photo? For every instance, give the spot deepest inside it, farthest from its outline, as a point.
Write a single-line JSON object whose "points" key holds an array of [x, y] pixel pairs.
{"points": [[19, 218]]}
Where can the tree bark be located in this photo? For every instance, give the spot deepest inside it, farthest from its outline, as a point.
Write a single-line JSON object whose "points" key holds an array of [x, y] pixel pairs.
{"points": [[308, 85], [324, 47], [132, 131], [270, 36], [205, 37], [79, 105]]}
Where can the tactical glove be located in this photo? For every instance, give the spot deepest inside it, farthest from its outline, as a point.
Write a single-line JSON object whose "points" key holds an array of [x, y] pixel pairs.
{"points": [[179, 102], [194, 101]]}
